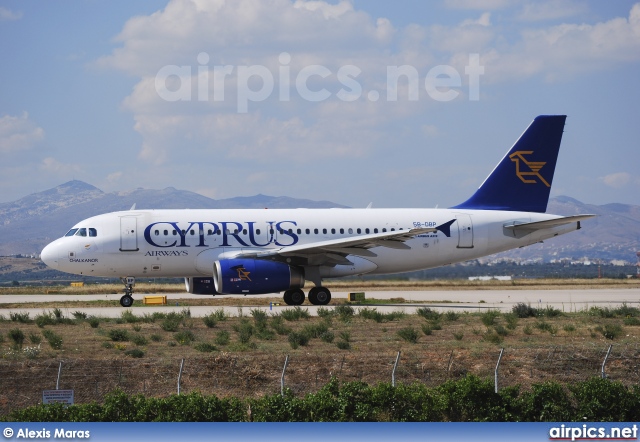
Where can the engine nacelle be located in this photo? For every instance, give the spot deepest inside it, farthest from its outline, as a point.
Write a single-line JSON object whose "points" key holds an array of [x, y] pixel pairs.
{"points": [[200, 286], [255, 276]]}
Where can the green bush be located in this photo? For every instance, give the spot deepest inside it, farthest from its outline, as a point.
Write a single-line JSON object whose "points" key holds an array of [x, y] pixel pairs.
{"points": [[409, 334], [139, 340], [54, 340], [134, 353], [466, 399], [297, 338], [184, 337], [22, 317], [210, 320], [428, 314], [118, 335], [489, 317], [222, 337], [17, 336], [295, 314], [522, 310], [94, 322], [205, 347]]}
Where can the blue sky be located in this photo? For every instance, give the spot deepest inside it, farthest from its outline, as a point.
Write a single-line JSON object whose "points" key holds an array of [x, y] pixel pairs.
{"points": [[84, 95]]}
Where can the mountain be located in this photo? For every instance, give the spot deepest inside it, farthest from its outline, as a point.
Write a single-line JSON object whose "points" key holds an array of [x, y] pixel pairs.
{"points": [[30, 223], [612, 235]]}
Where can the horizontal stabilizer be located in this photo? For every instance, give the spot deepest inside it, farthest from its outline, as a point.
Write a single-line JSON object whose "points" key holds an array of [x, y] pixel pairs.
{"points": [[538, 225]]}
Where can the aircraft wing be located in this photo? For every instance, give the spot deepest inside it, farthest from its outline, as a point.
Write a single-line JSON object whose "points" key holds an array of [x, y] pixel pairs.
{"points": [[538, 225], [334, 251]]}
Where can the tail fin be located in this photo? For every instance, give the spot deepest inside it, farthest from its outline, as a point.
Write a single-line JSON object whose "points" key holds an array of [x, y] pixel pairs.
{"points": [[522, 180]]}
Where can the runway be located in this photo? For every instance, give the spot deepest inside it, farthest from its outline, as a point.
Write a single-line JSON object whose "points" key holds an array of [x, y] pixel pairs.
{"points": [[566, 300]]}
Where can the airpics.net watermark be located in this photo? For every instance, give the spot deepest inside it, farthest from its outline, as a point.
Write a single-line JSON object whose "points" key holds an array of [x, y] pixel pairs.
{"points": [[257, 83]]}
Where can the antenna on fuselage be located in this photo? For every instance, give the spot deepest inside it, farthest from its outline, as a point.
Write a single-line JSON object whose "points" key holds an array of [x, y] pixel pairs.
{"points": [[133, 207]]}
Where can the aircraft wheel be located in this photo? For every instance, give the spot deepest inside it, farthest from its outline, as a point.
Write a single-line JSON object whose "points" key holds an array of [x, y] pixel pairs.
{"points": [[126, 301], [287, 297], [319, 296], [293, 297]]}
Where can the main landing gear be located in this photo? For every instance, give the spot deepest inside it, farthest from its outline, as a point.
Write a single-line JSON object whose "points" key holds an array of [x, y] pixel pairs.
{"points": [[317, 296], [127, 299]]}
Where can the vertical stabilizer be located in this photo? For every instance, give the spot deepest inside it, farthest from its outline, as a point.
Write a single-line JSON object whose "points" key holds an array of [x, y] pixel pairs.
{"points": [[522, 180]]}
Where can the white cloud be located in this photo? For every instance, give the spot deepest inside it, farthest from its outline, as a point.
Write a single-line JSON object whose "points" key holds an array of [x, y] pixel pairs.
{"points": [[18, 133], [55, 167], [257, 33], [9, 15], [617, 180], [479, 5], [551, 10]]}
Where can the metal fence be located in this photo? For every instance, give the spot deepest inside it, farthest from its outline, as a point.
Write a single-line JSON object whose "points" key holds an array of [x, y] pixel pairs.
{"points": [[250, 375]]}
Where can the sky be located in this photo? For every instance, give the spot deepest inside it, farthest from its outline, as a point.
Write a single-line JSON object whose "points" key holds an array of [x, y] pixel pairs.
{"points": [[402, 104]]}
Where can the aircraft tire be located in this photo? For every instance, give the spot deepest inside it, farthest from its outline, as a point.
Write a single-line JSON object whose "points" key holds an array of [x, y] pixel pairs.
{"points": [[319, 296], [288, 297], [126, 301]]}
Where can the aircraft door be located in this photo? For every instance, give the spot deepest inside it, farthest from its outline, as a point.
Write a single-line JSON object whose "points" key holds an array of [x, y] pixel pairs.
{"points": [[465, 231], [128, 234]]}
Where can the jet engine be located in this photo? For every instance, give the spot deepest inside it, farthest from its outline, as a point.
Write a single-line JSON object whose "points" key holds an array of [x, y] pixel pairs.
{"points": [[255, 277]]}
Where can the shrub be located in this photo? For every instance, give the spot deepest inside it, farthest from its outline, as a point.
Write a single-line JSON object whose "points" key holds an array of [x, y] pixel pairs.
{"points": [[550, 312], [128, 317], [345, 336], [327, 337], [244, 330], [427, 330], [611, 331], [489, 317], [54, 340], [277, 323], [171, 322], [184, 337], [428, 314], [210, 320], [545, 326], [512, 320], [458, 336], [134, 353], [222, 338], [295, 314], [343, 345], [17, 336], [315, 330], [344, 312], [205, 347], [522, 310], [156, 337], [409, 334], [324, 312], [80, 316], [22, 317], [44, 319], [94, 322], [451, 316], [139, 340], [118, 335], [35, 339], [298, 338]]}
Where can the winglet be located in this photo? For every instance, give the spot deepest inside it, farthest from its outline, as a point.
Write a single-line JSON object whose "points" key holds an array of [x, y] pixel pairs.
{"points": [[522, 180]]}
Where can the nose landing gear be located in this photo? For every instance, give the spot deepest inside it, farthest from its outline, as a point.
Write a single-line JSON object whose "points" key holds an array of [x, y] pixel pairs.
{"points": [[127, 299]]}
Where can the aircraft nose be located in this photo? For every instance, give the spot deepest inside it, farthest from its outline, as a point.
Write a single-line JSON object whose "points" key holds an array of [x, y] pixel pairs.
{"points": [[49, 256]]}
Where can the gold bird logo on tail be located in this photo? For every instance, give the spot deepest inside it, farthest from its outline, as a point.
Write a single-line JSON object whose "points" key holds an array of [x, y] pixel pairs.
{"points": [[533, 166]]}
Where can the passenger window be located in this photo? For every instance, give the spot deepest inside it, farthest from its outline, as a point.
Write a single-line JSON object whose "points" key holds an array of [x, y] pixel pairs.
{"points": [[393, 230], [257, 231], [324, 231], [307, 231], [174, 233], [166, 233], [157, 232], [365, 230], [93, 232], [81, 232], [71, 232], [244, 231], [384, 229], [209, 232], [315, 231], [351, 231], [342, 231], [333, 231], [375, 230], [299, 231]]}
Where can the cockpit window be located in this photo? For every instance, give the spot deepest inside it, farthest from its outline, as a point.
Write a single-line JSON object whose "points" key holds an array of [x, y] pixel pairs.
{"points": [[81, 232], [71, 232], [93, 232]]}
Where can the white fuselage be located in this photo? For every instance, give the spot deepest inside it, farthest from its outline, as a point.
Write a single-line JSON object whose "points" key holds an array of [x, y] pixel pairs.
{"points": [[186, 243]]}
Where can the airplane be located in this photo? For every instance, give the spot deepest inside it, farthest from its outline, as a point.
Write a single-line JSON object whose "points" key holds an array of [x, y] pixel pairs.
{"points": [[250, 251]]}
